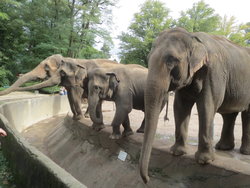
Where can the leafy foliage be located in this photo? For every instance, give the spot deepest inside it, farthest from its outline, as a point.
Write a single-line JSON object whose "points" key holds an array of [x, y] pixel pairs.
{"points": [[6, 177], [153, 18], [33, 30], [4, 77], [200, 17], [242, 36], [146, 25]]}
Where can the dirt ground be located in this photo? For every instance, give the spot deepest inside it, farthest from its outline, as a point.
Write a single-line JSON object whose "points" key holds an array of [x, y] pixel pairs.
{"points": [[165, 130]]}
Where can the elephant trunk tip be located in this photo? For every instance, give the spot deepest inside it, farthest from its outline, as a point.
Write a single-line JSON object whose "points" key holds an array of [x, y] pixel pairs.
{"points": [[144, 170], [144, 175]]}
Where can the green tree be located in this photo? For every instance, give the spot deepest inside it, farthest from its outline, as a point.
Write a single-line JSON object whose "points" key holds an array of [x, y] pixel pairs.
{"points": [[200, 17], [152, 18], [32, 30], [227, 26], [5, 76], [11, 37], [242, 35]]}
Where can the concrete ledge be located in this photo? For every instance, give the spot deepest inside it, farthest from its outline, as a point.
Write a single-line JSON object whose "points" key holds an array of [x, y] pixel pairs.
{"points": [[31, 167]]}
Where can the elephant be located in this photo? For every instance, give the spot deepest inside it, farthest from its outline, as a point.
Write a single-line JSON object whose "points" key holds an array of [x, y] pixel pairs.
{"points": [[207, 70], [47, 71], [123, 85]]}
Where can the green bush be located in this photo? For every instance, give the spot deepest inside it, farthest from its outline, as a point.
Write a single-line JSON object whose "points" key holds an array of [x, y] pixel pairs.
{"points": [[5, 76], [6, 176]]}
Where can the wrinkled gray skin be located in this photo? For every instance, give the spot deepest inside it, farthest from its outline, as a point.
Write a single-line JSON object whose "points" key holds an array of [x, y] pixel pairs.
{"points": [[125, 86], [204, 69], [72, 77], [47, 71]]}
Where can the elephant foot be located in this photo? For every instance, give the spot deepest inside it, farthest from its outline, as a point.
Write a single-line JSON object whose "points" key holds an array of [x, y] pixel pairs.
{"points": [[115, 136], [127, 133], [177, 150], [86, 115], [140, 130], [77, 117], [222, 145], [245, 149], [97, 127], [204, 157]]}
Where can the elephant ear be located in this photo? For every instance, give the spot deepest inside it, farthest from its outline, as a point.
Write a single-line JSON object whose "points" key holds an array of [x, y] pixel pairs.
{"points": [[80, 75], [113, 84], [199, 56]]}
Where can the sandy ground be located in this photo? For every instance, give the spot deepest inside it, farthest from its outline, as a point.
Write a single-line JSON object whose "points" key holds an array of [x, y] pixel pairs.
{"points": [[165, 130]]}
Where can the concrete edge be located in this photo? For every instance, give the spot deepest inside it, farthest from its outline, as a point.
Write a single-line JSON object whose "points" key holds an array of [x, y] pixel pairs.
{"points": [[31, 167]]}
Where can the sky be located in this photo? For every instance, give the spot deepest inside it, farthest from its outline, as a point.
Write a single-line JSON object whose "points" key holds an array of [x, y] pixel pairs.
{"points": [[125, 9]]}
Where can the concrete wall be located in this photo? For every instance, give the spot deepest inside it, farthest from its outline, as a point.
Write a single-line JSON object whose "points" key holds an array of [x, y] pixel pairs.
{"points": [[31, 167], [23, 113]]}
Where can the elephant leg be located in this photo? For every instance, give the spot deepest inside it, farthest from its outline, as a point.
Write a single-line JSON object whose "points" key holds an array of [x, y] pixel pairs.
{"points": [[182, 111], [206, 111], [121, 115], [77, 101], [226, 141], [245, 140], [127, 129], [141, 129], [86, 114], [99, 126], [74, 101], [72, 107]]}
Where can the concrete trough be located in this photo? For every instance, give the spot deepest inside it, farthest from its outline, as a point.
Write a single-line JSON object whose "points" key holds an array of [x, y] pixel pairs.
{"points": [[70, 154]]}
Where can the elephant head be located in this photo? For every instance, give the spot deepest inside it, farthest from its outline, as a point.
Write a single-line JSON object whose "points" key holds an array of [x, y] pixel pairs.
{"points": [[174, 59], [72, 74], [46, 69], [102, 85]]}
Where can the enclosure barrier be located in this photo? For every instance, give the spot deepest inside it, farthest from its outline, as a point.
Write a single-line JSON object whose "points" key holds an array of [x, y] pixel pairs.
{"points": [[32, 168]]}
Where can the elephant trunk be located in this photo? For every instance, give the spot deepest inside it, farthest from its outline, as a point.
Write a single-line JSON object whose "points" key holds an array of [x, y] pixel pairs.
{"points": [[38, 72], [75, 96], [95, 109], [23, 79], [155, 93], [54, 80]]}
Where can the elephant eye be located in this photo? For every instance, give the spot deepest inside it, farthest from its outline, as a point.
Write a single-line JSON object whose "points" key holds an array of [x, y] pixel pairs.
{"points": [[171, 59], [97, 88]]}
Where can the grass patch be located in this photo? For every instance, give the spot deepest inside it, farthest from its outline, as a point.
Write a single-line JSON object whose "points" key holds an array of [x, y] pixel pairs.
{"points": [[6, 177]]}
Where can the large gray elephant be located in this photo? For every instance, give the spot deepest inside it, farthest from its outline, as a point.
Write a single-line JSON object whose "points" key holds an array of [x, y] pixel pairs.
{"points": [[125, 86], [208, 70], [47, 71]]}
